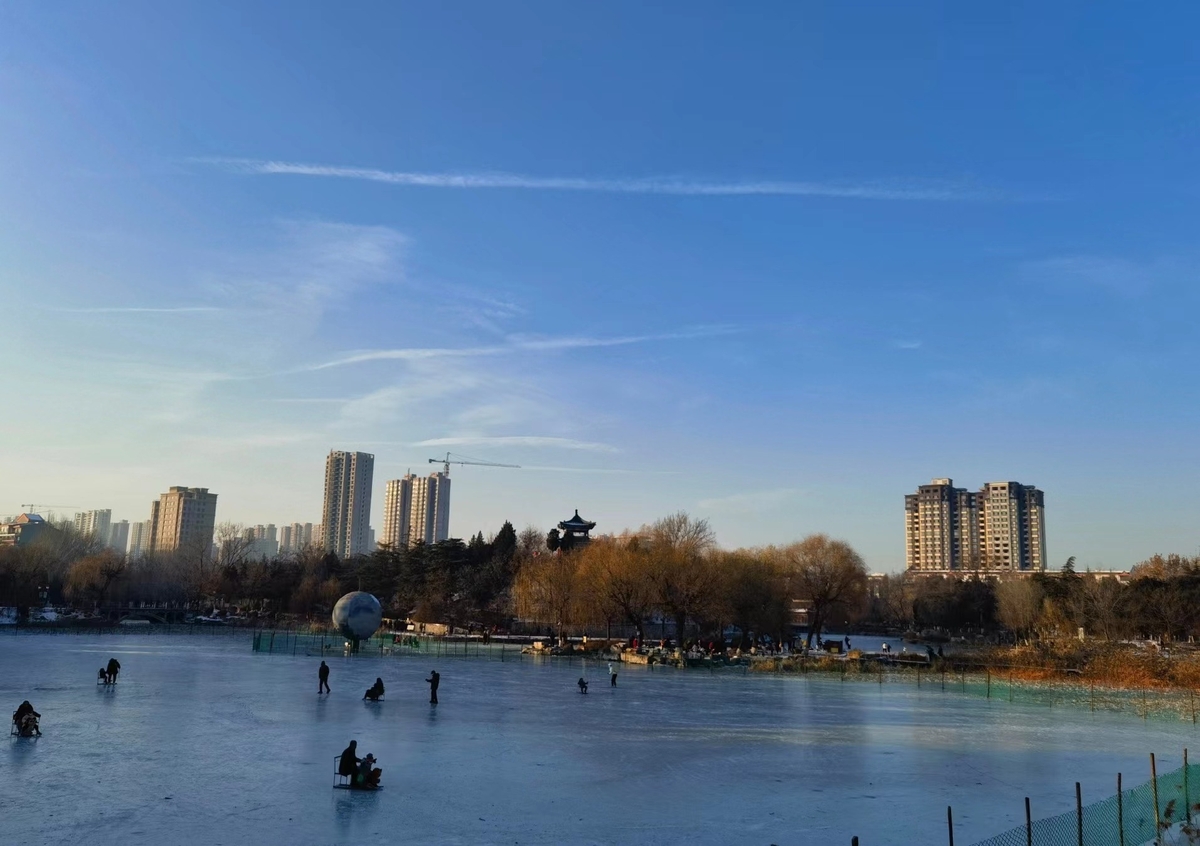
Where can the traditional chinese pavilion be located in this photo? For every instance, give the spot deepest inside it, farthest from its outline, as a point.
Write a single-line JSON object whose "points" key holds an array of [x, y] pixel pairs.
{"points": [[575, 531]]}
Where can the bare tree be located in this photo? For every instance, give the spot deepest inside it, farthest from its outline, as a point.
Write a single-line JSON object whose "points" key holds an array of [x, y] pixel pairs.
{"points": [[614, 584], [1102, 602], [89, 578], [753, 593], [545, 590], [680, 567], [1019, 605], [829, 574], [234, 543], [531, 542]]}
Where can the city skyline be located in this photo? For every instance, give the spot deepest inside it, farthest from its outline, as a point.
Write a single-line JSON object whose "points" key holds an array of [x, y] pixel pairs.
{"points": [[770, 269]]}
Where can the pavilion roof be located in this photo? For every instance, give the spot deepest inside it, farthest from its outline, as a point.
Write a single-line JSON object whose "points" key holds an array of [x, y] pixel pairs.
{"points": [[576, 524]]}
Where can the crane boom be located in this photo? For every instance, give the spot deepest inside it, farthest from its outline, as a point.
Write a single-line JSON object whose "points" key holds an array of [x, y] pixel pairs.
{"points": [[451, 458]]}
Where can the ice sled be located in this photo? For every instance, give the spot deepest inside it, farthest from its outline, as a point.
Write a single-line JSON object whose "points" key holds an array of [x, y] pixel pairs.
{"points": [[344, 782]]}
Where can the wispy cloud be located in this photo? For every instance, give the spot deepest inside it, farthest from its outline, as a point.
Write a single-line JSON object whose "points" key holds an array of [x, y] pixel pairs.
{"points": [[1115, 275], [742, 503], [906, 189], [602, 471], [260, 441], [137, 310], [907, 345], [518, 441], [513, 344]]}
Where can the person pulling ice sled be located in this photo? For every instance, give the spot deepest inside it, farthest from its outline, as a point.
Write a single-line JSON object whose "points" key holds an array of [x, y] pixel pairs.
{"points": [[354, 773]]}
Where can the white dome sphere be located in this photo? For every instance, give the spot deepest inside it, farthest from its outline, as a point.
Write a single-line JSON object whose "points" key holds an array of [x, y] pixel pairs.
{"points": [[357, 615]]}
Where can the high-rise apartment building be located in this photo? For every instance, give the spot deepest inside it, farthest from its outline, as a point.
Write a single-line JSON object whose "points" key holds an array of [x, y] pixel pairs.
{"points": [[96, 523], [139, 538], [118, 536], [347, 513], [397, 512], [183, 518], [264, 543], [416, 508], [295, 537], [1000, 527]]}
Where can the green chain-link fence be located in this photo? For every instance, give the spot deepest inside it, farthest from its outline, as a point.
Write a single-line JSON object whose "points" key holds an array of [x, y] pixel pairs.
{"points": [[286, 642], [1126, 818]]}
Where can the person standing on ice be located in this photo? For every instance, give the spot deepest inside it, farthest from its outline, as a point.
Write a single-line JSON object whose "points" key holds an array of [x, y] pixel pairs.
{"points": [[434, 680], [612, 675], [114, 667], [323, 679]]}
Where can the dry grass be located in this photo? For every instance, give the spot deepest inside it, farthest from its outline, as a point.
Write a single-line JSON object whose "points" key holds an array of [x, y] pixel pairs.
{"points": [[1107, 665]]}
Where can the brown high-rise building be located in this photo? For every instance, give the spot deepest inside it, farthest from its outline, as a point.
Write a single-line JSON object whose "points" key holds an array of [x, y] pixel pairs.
{"points": [[1000, 527], [183, 518]]}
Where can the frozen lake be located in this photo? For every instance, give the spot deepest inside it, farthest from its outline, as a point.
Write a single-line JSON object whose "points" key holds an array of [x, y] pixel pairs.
{"points": [[203, 742]]}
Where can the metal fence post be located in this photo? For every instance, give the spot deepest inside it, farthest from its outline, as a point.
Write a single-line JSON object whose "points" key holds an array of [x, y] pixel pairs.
{"points": [[989, 682], [1079, 812], [1120, 813], [1028, 824], [950, 823], [853, 841], [1154, 785], [1187, 807]]}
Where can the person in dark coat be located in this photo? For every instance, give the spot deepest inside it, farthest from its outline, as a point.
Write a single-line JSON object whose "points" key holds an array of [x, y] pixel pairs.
{"points": [[323, 679], [114, 667], [348, 763], [434, 680], [375, 691], [582, 685], [26, 719]]}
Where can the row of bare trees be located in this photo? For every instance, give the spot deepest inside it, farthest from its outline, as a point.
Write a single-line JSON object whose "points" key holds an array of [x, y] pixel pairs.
{"points": [[673, 571], [1161, 599]]}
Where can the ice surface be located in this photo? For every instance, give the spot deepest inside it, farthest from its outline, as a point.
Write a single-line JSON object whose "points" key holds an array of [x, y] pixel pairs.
{"points": [[203, 742]]}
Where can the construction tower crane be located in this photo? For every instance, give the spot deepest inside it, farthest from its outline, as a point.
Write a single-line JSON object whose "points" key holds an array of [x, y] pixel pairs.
{"points": [[37, 506], [451, 458]]}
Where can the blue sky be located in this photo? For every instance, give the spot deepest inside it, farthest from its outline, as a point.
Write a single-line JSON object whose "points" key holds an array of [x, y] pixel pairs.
{"points": [[775, 265]]}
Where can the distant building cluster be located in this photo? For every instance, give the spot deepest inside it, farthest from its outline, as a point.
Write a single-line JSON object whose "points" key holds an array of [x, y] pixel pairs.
{"points": [[99, 524], [296, 537], [1000, 527], [417, 510]]}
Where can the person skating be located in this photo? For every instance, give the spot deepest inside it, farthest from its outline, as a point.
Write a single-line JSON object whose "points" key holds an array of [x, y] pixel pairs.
{"points": [[612, 675], [375, 691], [114, 667], [434, 680], [323, 679]]}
